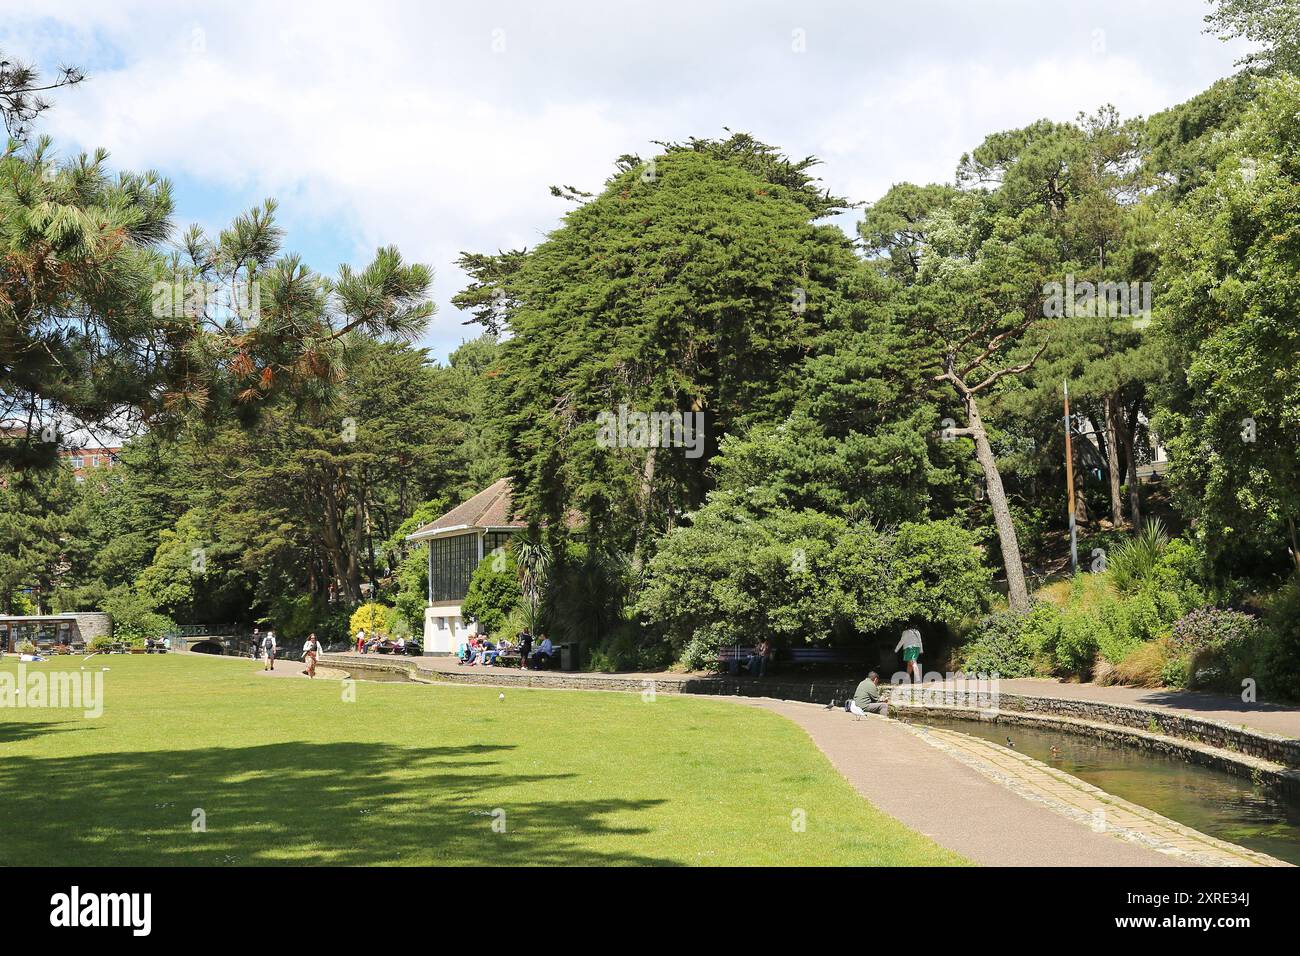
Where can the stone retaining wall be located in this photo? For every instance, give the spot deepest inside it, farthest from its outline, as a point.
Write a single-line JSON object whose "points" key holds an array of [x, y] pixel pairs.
{"points": [[1254, 743], [1258, 770]]}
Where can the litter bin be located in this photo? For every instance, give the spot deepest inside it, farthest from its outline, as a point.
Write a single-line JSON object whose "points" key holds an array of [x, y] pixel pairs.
{"points": [[570, 656]]}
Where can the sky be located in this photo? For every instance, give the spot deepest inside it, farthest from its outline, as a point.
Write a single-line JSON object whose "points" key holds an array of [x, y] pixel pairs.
{"points": [[439, 127]]}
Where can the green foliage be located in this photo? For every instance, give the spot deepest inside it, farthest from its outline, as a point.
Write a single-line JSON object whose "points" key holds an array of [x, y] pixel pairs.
{"points": [[695, 282], [1232, 260], [1279, 654], [999, 647], [1132, 563], [493, 591], [736, 574], [134, 617], [294, 617]]}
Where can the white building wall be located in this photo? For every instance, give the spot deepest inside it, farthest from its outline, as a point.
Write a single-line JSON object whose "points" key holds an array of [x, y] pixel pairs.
{"points": [[445, 629]]}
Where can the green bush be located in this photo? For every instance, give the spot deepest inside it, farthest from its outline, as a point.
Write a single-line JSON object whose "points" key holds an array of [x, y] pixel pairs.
{"points": [[1175, 672], [1133, 561], [1279, 645], [999, 646], [627, 649], [1081, 636], [493, 591], [293, 618], [134, 618]]}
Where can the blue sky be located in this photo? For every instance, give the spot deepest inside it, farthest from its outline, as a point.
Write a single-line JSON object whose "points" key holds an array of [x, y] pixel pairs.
{"points": [[438, 127]]}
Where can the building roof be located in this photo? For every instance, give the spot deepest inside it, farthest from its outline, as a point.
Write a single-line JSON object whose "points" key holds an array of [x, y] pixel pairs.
{"points": [[490, 508]]}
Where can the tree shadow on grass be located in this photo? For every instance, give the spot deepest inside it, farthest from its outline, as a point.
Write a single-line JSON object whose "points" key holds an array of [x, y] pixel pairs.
{"points": [[302, 803], [13, 731]]}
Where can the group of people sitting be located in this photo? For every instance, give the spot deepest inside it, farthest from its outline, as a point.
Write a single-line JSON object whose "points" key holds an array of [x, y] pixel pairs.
{"points": [[480, 650], [369, 644]]}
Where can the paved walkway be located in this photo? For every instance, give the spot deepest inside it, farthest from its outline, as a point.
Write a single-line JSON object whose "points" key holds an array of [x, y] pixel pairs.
{"points": [[952, 802]]}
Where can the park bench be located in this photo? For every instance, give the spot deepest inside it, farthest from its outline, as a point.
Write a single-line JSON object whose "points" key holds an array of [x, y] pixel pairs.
{"points": [[733, 657], [506, 660], [826, 656]]}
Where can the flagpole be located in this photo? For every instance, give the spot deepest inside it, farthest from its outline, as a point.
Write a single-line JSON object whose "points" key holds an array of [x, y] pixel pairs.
{"points": [[1069, 480]]}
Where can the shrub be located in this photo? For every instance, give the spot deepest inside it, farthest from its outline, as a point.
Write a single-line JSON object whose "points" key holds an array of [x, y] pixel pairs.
{"points": [[999, 646], [371, 617], [1133, 561], [1174, 673], [27, 647], [134, 618], [1079, 641], [493, 591], [1279, 644], [1213, 629], [627, 649], [293, 618]]}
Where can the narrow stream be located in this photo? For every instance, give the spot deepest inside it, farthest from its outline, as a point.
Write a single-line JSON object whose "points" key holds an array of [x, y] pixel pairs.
{"points": [[1212, 801]]}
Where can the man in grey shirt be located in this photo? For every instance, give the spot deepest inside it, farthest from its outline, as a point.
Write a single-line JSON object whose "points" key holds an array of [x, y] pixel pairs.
{"points": [[866, 699]]}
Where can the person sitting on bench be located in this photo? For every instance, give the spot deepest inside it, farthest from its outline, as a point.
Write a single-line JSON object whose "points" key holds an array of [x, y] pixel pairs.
{"points": [[866, 699], [545, 653], [759, 658]]}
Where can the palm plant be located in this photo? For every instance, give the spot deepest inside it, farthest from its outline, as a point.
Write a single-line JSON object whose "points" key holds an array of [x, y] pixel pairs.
{"points": [[1134, 561], [534, 559]]}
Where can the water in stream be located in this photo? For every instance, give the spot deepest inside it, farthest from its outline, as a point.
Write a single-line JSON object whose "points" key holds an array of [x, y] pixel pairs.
{"points": [[1212, 801]]}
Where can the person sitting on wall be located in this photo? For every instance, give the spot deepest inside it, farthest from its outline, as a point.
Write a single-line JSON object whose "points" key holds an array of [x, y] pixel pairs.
{"points": [[545, 653], [866, 700]]}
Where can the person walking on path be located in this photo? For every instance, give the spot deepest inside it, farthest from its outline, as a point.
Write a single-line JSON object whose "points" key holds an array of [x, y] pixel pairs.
{"points": [[310, 651], [866, 699], [257, 642], [910, 643], [268, 648]]}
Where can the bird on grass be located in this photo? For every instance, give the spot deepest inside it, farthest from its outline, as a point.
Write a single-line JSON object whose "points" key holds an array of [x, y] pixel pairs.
{"points": [[501, 696]]}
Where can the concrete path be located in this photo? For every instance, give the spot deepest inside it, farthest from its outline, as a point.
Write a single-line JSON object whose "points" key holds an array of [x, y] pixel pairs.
{"points": [[1272, 718], [949, 801]]}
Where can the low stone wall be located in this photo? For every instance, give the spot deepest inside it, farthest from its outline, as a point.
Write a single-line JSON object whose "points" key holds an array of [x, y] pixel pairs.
{"points": [[1258, 770], [816, 691], [1254, 743]]}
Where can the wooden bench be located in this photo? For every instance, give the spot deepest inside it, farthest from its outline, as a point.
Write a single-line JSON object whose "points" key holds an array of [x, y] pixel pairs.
{"points": [[828, 656], [733, 657], [507, 660]]}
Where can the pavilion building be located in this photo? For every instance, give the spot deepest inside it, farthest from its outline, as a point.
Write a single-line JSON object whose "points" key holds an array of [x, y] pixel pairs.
{"points": [[458, 541]]}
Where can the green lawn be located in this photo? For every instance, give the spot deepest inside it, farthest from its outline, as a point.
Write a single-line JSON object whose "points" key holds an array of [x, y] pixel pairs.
{"points": [[287, 772]]}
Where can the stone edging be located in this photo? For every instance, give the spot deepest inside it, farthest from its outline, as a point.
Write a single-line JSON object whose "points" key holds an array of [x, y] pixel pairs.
{"points": [[1269, 773], [1260, 744]]}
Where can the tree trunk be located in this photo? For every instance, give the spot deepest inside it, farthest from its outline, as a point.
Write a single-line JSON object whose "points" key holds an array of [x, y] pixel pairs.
{"points": [[1134, 494], [1017, 591], [1112, 459]]}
